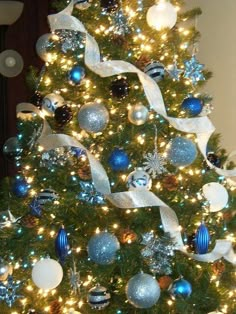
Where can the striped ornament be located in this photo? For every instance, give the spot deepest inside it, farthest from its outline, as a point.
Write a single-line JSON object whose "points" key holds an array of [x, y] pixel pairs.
{"points": [[155, 70], [98, 297], [202, 239], [62, 246], [82, 4], [47, 195]]}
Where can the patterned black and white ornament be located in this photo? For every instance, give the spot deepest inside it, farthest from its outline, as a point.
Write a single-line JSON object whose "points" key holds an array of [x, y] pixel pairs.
{"points": [[51, 102], [47, 195], [98, 297], [155, 70], [82, 4], [139, 179]]}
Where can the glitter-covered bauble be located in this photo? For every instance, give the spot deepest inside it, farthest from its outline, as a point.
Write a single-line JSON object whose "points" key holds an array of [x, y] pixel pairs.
{"points": [[82, 4], [98, 297], [109, 5], [12, 148], [138, 114], [139, 179], [142, 291], [47, 195], [165, 282], [181, 152], [42, 45], [76, 75], [51, 102], [120, 88], [192, 105], [93, 117], [180, 288], [63, 115], [102, 248], [118, 160], [5, 270], [20, 187], [202, 239], [155, 70]]}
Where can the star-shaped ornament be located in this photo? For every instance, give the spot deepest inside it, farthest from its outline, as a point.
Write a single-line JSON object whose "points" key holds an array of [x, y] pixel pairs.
{"points": [[90, 195], [193, 70], [173, 71]]}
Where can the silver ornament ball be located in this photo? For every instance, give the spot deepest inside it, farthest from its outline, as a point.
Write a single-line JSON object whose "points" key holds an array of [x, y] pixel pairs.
{"points": [[42, 45], [51, 102], [138, 114], [143, 291], [93, 117]]}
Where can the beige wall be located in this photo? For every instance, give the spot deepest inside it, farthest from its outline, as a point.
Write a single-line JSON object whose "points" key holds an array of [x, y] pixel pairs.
{"points": [[217, 50]]}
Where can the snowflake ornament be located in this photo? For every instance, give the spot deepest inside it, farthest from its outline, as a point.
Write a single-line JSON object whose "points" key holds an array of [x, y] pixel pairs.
{"points": [[154, 164], [193, 70]]}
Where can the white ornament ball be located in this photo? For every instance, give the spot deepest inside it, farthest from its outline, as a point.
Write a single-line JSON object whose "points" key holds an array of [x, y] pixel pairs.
{"points": [[138, 114], [47, 274], [42, 45], [216, 194], [51, 102], [143, 291], [139, 179], [162, 15]]}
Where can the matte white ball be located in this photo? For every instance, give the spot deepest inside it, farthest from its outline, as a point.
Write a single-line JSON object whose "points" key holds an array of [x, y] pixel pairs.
{"points": [[139, 179], [51, 102], [138, 114], [42, 45], [216, 194], [47, 274], [162, 15]]}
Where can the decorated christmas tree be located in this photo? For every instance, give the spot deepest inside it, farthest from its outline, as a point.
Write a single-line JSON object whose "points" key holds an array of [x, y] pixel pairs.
{"points": [[123, 200]]}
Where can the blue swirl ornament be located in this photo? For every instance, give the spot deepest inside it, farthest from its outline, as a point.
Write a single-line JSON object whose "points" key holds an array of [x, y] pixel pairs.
{"points": [[36, 209], [181, 152], [118, 160], [20, 187], [202, 239], [192, 106], [76, 75], [102, 248], [181, 288], [62, 246]]}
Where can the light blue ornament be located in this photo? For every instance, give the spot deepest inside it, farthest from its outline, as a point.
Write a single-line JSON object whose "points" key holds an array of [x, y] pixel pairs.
{"points": [[193, 70], [76, 75], [102, 248], [202, 239], [181, 288], [181, 152], [90, 194]]}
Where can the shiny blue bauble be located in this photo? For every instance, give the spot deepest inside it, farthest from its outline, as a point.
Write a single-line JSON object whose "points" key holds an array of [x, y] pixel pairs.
{"points": [[202, 239], [62, 245], [20, 187], [102, 248], [181, 288], [192, 106], [76, 75], [181, 152], [118, 160]]}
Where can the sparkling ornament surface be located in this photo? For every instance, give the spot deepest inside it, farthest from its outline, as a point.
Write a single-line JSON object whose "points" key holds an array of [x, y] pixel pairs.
{"points": [[20, 187], [118, 160], [63, 115], [8, 291], [181, 152], [139, 179], [62, 244], [143, 291], [89, 194], [181, 288], [47, 274], [47, 195], [102, 248], [192, 106], [155, 70], [12, 148], [76, 75], [98, 297], [70, 40], [162, 15], [42, 45], [109, 5], [93, 117], [138, 114], [193, 70], [120, 23], [154, 164], [50, 102], [202, 239], [120, 88]]}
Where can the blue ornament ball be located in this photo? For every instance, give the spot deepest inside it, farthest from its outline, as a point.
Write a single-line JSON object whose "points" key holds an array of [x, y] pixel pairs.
{"points": [[192, 106], [62, 246], [180, 288], [202, 239], [118, 160], [20, 187], [102, 248], [76, 75], [181, 152]]}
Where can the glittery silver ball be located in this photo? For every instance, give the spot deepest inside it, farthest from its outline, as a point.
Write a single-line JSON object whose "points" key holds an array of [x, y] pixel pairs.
{"points": [[102, 248], [98, 297], [143, 291], [42, 45], [138, 114], [51, 102], [93, 117], [181, 152]]}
